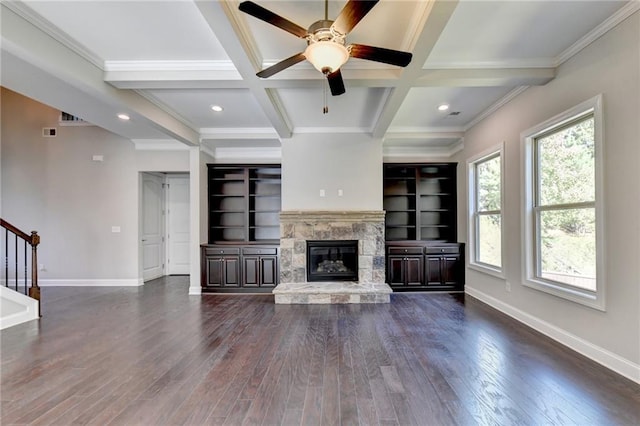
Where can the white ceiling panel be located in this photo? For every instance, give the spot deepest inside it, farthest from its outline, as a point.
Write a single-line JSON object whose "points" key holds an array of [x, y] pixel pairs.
{"points": [[356, 109], [420, 108], [240, 108], [494, 33], [135, 30]]}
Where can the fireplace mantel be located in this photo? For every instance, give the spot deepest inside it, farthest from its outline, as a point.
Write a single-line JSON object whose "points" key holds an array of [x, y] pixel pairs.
{"points": [[367, 227]]}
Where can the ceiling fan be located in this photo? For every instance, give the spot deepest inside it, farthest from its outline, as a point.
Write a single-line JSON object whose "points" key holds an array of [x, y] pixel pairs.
{"points": [[326, 47]]}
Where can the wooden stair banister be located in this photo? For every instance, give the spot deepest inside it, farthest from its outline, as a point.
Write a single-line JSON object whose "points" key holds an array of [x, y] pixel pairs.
{"points": [[33, 240]]}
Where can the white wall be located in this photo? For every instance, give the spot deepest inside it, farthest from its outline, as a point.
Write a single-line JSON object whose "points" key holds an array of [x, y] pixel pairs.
{"points": [[162, 161], [53, 186], [351, 162], [611, 66]]}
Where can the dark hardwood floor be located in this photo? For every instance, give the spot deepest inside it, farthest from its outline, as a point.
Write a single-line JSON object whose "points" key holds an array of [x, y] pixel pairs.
{"points": [[154, 355]]}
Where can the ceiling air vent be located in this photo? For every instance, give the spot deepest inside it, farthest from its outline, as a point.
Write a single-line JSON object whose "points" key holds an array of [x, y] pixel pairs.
{"points": [[454, 113], [67, 119]]}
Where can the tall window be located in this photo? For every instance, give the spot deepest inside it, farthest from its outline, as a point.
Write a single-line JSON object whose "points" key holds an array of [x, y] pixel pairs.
{"points": [[562, 197], [485, 211]]}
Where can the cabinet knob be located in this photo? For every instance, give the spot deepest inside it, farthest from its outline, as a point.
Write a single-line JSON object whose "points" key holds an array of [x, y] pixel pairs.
{"points": [[405, 250], [442, 250]]}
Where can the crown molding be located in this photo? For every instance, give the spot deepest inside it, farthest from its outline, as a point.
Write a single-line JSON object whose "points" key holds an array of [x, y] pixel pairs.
{"points": [[488, 65], [155, 101], [217, 133], [35, 19], [330, 130], [400, 153], [245, 153], [160, 66], [495, 106], [399, 130], [159, 145], [623, 13]]}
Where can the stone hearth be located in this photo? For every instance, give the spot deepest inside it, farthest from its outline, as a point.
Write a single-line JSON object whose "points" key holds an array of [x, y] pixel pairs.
{"points": [[367, 227]]}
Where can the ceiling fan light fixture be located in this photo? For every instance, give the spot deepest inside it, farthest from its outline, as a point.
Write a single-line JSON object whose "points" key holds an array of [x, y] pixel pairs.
{"points": [[326, 56]]}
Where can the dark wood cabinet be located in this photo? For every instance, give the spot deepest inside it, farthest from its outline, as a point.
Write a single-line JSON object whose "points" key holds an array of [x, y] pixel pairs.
{"points": [[420, 201], [260, 267], [244, 228], [425, 265], [405, 266], [420, 227], [221, 267], [443, 267], [249, 268]]}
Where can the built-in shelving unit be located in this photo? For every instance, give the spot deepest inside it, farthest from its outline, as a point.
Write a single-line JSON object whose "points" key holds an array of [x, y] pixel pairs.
{"points": [[244, 229], [420, 202], [244, 203], [420, 227]]}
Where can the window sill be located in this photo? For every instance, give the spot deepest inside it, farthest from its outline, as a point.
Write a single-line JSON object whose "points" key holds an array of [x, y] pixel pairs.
{"points": [[582, 297], [494, 272]]}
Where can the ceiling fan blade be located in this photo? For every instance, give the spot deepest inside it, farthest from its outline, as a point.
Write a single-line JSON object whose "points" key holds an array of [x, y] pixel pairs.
{"points": [[284, 64], [351, 14], [336, 84], [269, 17], [380, 54]]}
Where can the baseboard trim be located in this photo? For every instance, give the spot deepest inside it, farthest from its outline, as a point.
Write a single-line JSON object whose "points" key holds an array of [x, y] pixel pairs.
{"points": [[596, 353], [195, 291], [126, 282]]}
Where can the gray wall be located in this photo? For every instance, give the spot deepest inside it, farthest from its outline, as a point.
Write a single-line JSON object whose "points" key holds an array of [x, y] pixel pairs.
{"points": [[53, 186], [609, 66], [351, 162]]}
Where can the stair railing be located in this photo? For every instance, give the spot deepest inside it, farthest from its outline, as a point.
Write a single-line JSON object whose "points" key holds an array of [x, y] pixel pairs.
{"points": [[33, 240]]}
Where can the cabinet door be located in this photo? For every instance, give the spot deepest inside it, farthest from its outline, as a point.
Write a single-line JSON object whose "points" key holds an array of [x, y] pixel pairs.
{"points": [[395, 270], [231, 271], [450, 268], [268, 271], [215, 271], [413, 270], [433, 270], [251, 271]]}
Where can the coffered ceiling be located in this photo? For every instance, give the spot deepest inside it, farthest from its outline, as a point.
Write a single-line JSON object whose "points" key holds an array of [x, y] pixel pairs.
{"points": [[165, 63]]}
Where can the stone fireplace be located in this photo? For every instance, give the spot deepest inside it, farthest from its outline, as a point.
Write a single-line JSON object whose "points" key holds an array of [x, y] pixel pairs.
{"points": [[366, 228]]}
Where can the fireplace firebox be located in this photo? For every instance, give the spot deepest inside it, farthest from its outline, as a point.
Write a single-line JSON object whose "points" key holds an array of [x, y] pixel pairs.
{"points": [[332, 260]]}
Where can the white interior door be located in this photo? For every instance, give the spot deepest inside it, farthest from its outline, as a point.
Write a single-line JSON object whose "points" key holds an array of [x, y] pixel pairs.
{"points": [[178, 233], [152, 226]]}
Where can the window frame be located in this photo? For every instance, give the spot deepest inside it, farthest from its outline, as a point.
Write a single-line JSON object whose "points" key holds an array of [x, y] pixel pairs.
{"points": [[531, 256], [474, 215]]}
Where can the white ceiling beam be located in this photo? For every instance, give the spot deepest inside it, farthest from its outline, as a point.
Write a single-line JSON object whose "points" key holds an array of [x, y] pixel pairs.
{"points": [[224, 23], [485, 77], [435, 17]]}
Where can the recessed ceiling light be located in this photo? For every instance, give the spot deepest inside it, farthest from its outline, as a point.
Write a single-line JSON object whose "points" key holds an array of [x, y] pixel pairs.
{"points": [[443, 107], [124, 117], [216, 108]]}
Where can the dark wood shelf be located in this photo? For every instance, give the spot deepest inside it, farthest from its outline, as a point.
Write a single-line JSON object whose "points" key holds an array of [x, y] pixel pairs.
{"points": [[244, 202]]}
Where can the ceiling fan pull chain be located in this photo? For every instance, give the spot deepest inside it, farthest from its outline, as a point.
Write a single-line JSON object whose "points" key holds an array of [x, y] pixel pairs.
{"points": [[325, 109]]}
